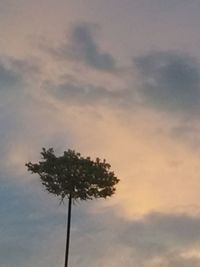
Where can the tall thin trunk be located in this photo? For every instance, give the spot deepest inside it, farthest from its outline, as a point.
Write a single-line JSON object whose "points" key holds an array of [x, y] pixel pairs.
{"points": [[68, 231]]}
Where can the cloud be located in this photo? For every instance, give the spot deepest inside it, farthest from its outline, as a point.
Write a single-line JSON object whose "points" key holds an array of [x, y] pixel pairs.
{"points": [[99, 237], [25, 67], [75, 93], [15, 72], [179, 261], [8, 77], [167, 82], [157, 239], [170, 81], [177, 231], [83, 47]]}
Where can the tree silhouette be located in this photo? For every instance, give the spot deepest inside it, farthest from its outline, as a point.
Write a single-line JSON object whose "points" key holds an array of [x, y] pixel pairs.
{"points": [[74, 177]]}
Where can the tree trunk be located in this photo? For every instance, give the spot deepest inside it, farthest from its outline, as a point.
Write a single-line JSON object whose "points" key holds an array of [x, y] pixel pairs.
{"points": [[68, 230]]}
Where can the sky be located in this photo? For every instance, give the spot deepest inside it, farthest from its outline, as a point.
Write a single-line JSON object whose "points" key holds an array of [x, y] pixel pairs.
{"points": [[112, 79]]}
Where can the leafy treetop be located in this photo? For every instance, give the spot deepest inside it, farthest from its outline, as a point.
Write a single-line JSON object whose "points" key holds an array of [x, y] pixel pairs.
{"points": [[72, 175]]}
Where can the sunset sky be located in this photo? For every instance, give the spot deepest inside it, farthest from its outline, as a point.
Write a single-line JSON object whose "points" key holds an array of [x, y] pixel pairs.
{"points": [[112, 79]]}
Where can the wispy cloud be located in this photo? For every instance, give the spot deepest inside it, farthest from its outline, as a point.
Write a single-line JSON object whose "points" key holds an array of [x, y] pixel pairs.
{"points": [[90, 95]]}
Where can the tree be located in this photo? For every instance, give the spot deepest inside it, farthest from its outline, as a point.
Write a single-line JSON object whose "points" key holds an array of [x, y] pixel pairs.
{"points": [[74, 177]]}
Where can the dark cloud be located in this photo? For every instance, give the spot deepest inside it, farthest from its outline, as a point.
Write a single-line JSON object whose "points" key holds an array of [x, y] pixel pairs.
{"points": [[8, 77], [83, 47], [177, 230], [155, 236], [13, 72], [24, 67], [75, 93], [96, 238], [170, 81]]}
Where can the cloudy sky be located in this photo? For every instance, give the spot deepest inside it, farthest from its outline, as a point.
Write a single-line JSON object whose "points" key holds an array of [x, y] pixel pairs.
{"points": [[115, 79]]}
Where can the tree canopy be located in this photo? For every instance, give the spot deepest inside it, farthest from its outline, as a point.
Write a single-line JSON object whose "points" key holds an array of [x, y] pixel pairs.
{"points": [[72, 175]]}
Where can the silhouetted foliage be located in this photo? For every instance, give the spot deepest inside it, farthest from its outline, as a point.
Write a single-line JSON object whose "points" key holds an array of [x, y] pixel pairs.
{"points": [[72, 174], [74, 177]]}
